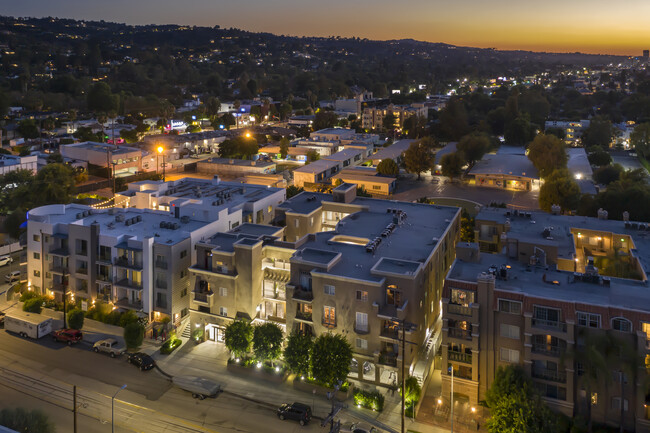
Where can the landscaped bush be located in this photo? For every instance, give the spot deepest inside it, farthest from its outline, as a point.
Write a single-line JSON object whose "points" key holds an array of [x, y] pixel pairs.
{"points": [[197, 335], [251, 362], [76, 319], [369, 399], [170, 345], [344, 387], [133, 335], [33, 305], [29, 295]]}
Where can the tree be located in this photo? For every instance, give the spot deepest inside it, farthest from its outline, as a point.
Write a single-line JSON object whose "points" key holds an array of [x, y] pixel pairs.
{"points": [[297, 354], [640, 139], [412, 391], [76, 318], [312, 155], [473, 146], [599, 133], [133, 335], [33, 305], [559, 188], [388, 122], [28, 129], [55, 158], [608, 174], [238, 337], [466, 227], [514, 405], [284, 147], [331, 358], [453, 120], [418, 158], [452, 164], [21, 420], [100, 98], [519, 131], [293, 190], [55, 183], [547, 153], [414, 126], [600, 158], [325, 119], [267, 341], [388, 167]]}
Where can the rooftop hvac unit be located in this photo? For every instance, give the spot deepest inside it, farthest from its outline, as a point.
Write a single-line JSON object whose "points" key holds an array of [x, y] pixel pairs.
{"points": [[80, 215], [127, 222], [185, 219], [176, 226], [119, 218], [163, 224]]}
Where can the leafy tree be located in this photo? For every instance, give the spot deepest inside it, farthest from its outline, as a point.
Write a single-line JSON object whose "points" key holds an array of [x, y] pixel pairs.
{"points": [[284, 147], [414, 126], [293, 190], [514, 405], [453, 120], [33, 305], [388, 167], [559, 188], [412, 391], [21, 420], [466, 227], [600, 158], [325, 119], [238, 337], [519, 131], [608, 174], [28, 129], [452, 164], [55, 183], [76, 318], [640, 139], [361, 192], [547, 153], [267, 341], [388, 122], [133, 335], [599, 133], [417, 158], [85, 133], [473, 146], [297, 354], [239, 147], [100, 98], [312, 155], [331, 358], [558, 132]]}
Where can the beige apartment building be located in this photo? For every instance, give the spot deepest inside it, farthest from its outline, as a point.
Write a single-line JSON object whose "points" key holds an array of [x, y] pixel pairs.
{"points": [[373, 117], [341, 264], [553, 285]]}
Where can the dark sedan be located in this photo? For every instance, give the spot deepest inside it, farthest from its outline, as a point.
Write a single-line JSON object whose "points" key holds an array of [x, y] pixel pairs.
{"points": [[141, 360]]}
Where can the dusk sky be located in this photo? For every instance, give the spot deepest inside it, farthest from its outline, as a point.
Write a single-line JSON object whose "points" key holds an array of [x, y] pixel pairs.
{"points": [[591, 26]]}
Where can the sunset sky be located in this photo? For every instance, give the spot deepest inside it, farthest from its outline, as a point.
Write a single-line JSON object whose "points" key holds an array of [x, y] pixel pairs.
{"points": [[590, 26]]}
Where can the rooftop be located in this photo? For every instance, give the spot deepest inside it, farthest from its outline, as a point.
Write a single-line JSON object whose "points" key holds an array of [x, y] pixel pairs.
{"points": [[238, 162], [393, 151], [333, 131], [317, 166], [507, 165], [343, 155], [103, 147]]}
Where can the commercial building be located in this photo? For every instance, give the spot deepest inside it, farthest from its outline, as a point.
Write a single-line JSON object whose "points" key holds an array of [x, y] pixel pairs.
{"points": [[340, 264], [554, 285], [9, 163], [373, 117], [234, 167], [122, 160], [506, 171]]}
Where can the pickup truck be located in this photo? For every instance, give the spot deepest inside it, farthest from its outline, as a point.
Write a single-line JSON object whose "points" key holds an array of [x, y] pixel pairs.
{"points": [[110, 346], [69, 336]]}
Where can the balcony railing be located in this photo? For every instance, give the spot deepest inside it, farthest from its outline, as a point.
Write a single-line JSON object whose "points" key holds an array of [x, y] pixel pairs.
{"points": [[104, 277], [127, 303], [279, 295], [461, 310], [300, 294], [104, 258], [549, 324], [389, 333], [125, 282], [550, 375], [161, 264], [59, 288], [388, 358], [203, 296], [361, 328], [301, 315], [60, 251], [459, 356], [460, 333], [545, 349], [58, 268], [123, 262], [82, 271]]}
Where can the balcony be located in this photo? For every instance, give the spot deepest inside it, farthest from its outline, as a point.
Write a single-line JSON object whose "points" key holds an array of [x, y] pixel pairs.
{"points": [[161, 264], [545, 349], [390, 311], [462, 334], [304, 316], [128, 284], [82, 271], [203, 297], [463, 357], [388, 358], [60, 251], [550, 375], [129, 304], [104, 278], [548, 324], [59, 288], [391, 333], [58, 269], [123, 262], [279, 295], [216, 270], [105, 258], [460, 310], [302, 295]]}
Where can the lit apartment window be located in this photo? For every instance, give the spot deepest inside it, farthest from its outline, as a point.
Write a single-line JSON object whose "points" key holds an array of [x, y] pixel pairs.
{"points": [[588, 319], [509, 355], [362, 295], [508, 306], [329, 316], [329, 289]]}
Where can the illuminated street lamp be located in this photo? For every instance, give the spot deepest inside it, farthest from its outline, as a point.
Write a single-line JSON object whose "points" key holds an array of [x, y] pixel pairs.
{"points": [[248, 134], [160, 152]]}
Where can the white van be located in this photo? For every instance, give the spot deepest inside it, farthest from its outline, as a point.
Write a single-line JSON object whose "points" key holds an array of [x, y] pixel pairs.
{"points": [[12, 276], [5, 260], [28, 324]]}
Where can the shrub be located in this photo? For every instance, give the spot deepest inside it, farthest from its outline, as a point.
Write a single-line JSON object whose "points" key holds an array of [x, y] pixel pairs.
{"points": [[76, 319], [238, 337], [127, 318], [19, 419], [33, 305], [29, 295], [133, 335], [369, 399], [197, 334], [170, 345]]}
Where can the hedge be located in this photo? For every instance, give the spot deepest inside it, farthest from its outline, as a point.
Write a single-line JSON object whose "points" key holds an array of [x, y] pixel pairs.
{"points": [[170, 345], [369, 399]]}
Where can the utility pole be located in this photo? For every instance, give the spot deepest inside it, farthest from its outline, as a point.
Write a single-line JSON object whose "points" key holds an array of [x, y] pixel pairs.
{"points": [[451, 399], [74, 407], [335, 427], [404, 326]]}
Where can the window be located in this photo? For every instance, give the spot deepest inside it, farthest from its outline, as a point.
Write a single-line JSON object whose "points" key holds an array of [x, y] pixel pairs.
{"points": [[329, 316], [362, 295], [161, 300], [183, 254], [184, 273], [37, 238], [37, 273], [588, 319], [184, 292], [617, 376], [223, 311], [376, 187], [393, 297], [621, 324], [185, 312], [362, 322], [269, 209], [223, 291], [616, 404], [297, 222], [329, 289], [510, 331], [362, 343], [509, 355], [37, 256], [546, 314], [508, 306]]}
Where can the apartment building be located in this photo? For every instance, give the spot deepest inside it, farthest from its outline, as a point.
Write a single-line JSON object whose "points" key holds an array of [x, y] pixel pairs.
{"points": [[122, 160], [373, 117], [552, 285]]}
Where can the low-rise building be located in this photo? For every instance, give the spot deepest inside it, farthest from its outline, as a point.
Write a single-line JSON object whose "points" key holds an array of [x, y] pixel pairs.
{"points": [[235, 167], [9, 163], [395, 152], [122, 160], [572, 129], [347, 157], [315, 172], [506, 171]]}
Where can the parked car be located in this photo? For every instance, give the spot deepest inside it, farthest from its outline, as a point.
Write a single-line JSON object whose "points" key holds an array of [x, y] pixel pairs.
{"points": [[12, 276], [69, 336], [198, 386], [141, 360], [358, 427], [110, 346], [296, 411], [5, 260]]}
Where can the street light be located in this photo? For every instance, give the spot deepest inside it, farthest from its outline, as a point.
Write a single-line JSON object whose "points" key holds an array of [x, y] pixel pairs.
{"points": [[113, 408], [160, 152]]}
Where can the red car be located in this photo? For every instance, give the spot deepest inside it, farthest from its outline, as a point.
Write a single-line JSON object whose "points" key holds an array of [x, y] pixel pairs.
{"points": [[69, 336]]}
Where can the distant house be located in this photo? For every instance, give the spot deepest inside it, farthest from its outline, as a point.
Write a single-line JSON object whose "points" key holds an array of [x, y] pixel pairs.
{"points": [[315, 172], [506, 171]]}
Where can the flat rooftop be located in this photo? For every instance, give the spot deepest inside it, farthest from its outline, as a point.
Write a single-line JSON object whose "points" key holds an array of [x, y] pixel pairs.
{"points": [[103, 147], [335, 131], [238, 162], [253, 232], [505, 165], [393, 151], [578, 163], [343, 155], [317, 166], [529, 280]]}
